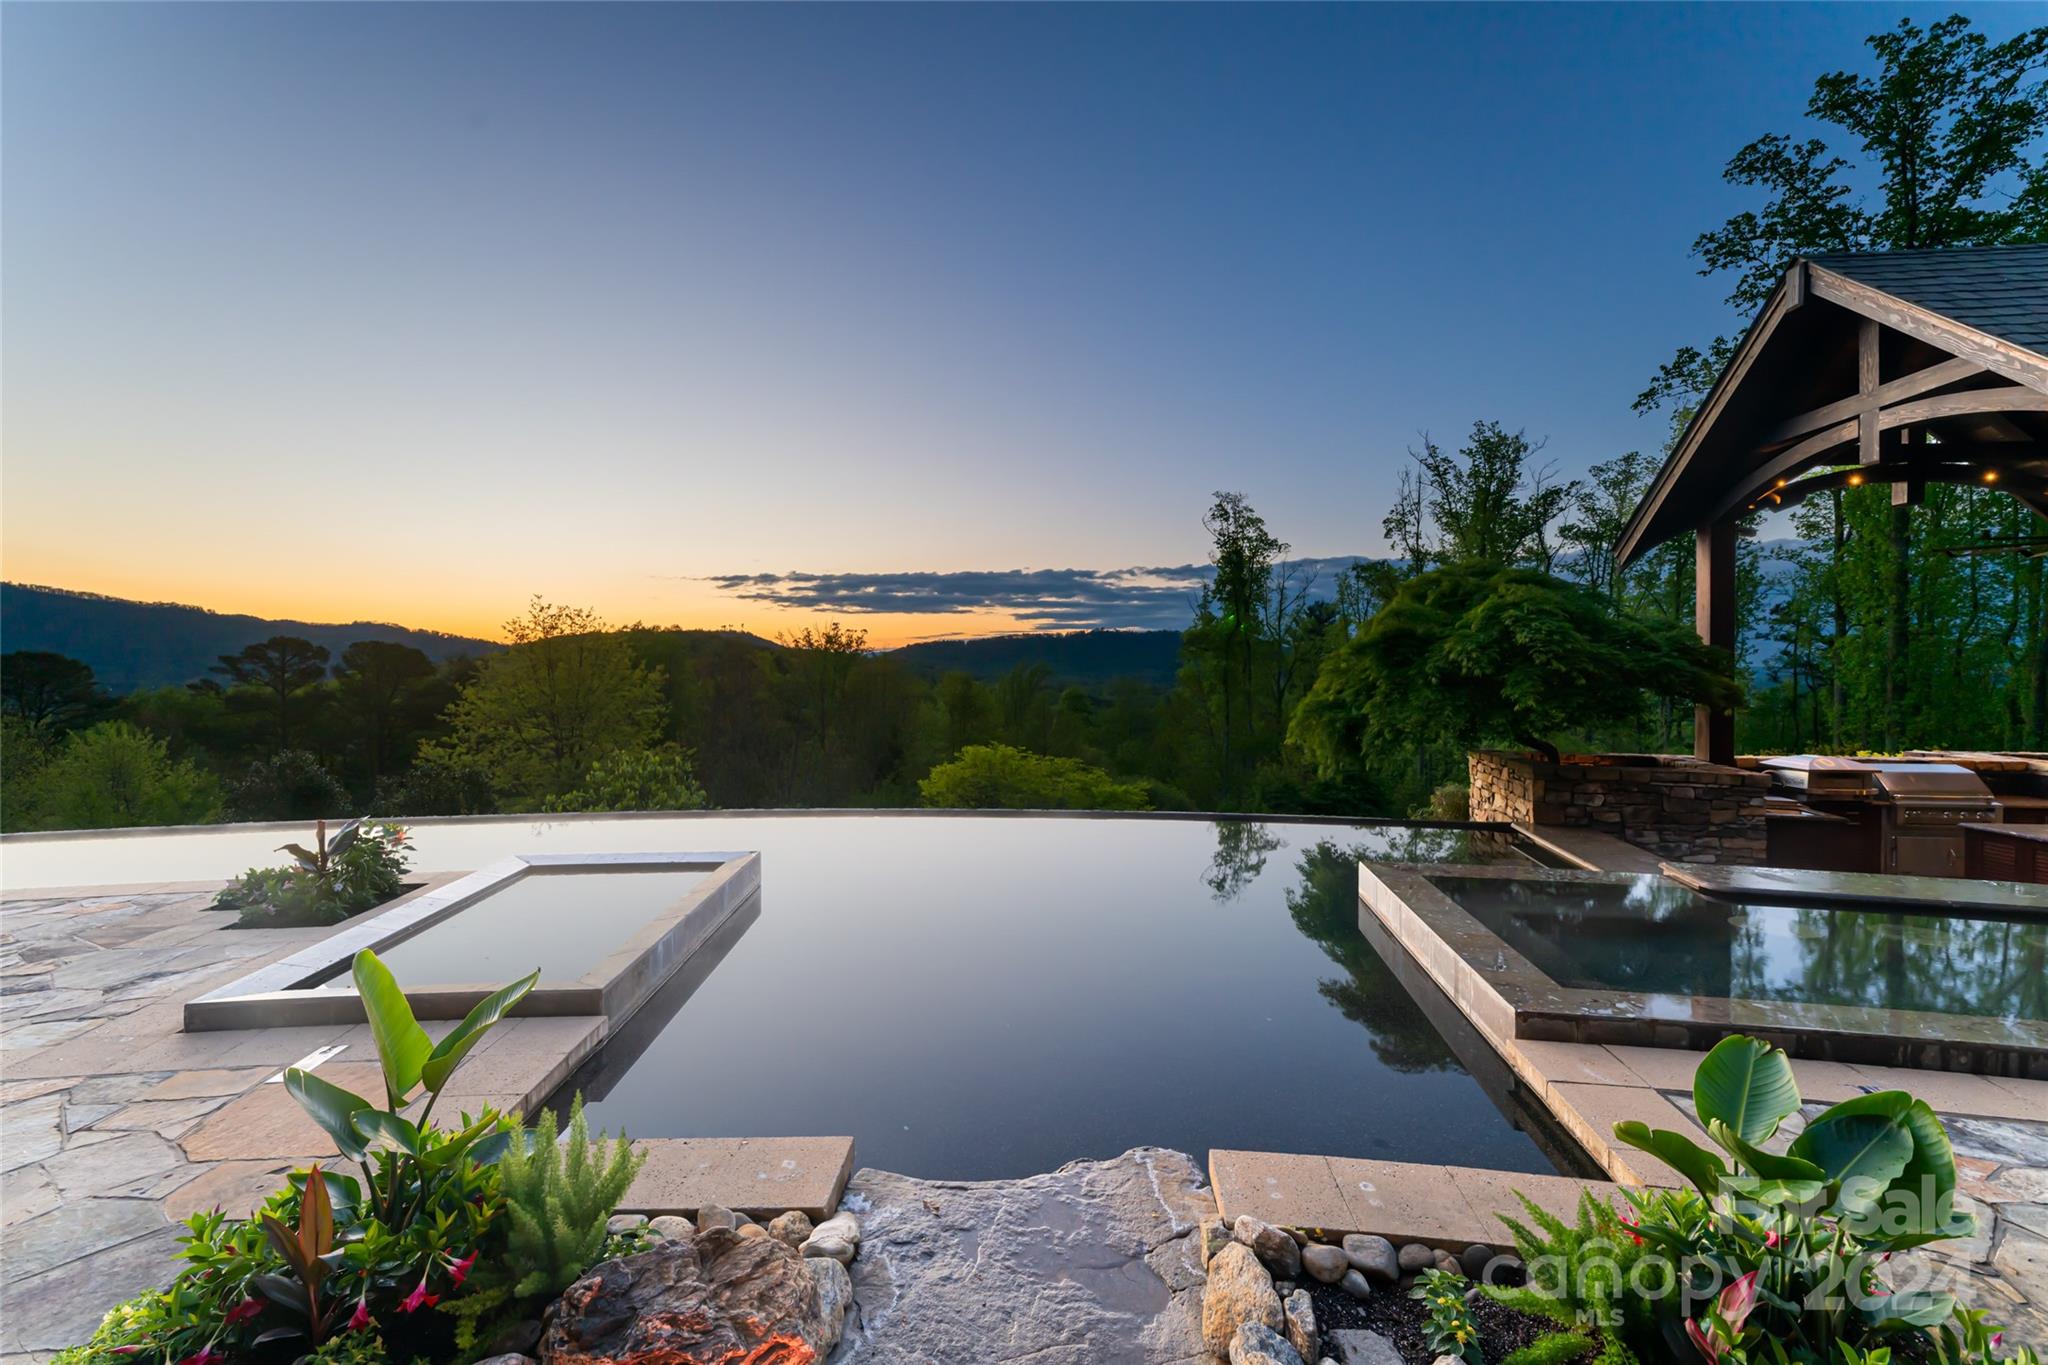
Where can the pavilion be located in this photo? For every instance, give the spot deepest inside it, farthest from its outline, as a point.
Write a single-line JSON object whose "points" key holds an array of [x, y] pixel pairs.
{"points": [[1900, 367]]}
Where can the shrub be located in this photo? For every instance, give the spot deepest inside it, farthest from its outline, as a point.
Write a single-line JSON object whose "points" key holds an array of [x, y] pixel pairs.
{"points": [[362, 866], [289, 785], [1000, 777], [437, 786], [558, 1198], [637, 779], [112, 775]]}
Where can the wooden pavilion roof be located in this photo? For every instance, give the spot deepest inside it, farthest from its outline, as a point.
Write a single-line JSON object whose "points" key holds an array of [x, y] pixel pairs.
{"points": [[1902, 367]]}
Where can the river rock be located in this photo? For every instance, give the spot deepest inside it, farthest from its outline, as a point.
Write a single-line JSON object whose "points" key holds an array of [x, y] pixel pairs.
{"points": [[1416, 1256], [1093, 1263], [1279, 1251], [710, 1298], [1239, 1291], [1300, 1313], [671, 1225], [1474, 1260], [717, 1216], [1211, 1237], [1255, 1344], [1355, 1346], [830, 1248], [1325, 1263], [844, 1226], [791, 1228], [508, 1358], [1374, 1256], [621, 1223], [751, 1230], [1355, 1284]]}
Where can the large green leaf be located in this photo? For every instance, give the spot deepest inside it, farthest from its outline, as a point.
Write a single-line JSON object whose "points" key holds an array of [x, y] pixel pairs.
{"points": [[1677, 1151], [1918, 1204], [1757, 1161], [1747, 1085], [402, 1045], [1862, 1153], [441, 1063], [332, 1107], [1775, 1190], [1915, 1308], [378, 1123]]}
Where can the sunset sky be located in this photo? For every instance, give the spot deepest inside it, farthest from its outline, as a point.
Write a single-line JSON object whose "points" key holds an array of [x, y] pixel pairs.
{"points": [[938, 320]]}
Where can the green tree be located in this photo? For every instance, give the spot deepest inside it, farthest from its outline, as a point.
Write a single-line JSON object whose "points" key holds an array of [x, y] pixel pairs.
{"points": [[114, 775], [637, 779], [47, 690], [374, 682], [565, 694], [1001, 777], [1489, 501], [283, 666], [1473, 652], [290, 784]]}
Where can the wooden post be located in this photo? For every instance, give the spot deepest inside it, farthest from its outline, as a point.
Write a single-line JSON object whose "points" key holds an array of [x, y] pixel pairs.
{"points": [[1713, 731], [1868, 379]]}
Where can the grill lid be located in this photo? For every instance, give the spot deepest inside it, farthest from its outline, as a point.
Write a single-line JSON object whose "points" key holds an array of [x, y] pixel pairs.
{"points": [[1823, 773], [1931, 782]]}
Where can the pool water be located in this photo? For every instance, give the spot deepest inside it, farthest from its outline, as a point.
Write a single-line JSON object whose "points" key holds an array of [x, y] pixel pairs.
{"points": [[518, 927], [1656, 936]]}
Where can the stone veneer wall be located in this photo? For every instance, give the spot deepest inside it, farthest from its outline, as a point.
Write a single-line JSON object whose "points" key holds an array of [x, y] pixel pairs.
{"points": [[1678, 808]]}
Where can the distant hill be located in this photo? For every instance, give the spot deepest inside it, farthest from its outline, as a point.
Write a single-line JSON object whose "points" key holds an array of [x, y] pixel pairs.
{"points": [[1086, 658], [135, 645]]}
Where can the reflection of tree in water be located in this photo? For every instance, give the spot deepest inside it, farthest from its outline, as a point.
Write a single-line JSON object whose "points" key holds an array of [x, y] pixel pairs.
{"points": [[1942, 964], [1325, 908], [1241, 849]]}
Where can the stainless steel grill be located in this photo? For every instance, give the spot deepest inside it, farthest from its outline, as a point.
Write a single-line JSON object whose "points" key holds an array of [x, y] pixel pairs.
{"points": [[1910, 811]]}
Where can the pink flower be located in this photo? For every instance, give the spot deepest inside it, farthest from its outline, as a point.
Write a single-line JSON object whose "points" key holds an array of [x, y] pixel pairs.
{"points": [[418, 1299], [360, 1320], [1771, 1238], [1628, 1218], [458, 1271], [243, 1311], [205, 1355], [1997, 1340]]}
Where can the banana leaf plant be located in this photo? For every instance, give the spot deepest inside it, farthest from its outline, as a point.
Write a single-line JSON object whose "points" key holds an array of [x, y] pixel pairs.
{"points": [[1867, 1177], [319, 859], [405, 1161]]}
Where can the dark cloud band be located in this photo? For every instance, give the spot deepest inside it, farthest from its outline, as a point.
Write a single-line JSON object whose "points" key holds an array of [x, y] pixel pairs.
{"points": [[1044, 599]]}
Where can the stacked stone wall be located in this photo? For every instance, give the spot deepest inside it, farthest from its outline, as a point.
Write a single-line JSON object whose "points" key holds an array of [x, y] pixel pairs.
{"points": [[1678, 808]]}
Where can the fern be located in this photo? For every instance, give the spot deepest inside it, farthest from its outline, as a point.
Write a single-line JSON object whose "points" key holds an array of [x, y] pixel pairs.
{"points": [[1554, 1349], [471, 1312], [1579, 1272], [558, 1197]]}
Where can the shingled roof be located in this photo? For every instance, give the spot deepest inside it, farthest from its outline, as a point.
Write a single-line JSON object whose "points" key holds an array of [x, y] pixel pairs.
{"points": [[1999, 290]]}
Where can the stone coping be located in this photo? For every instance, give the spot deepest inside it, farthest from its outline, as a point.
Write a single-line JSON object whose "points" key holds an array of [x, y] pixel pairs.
{"points": [[1507, 997], [1451, 1207], [1917, 895], [1588, 849], [758, 1177], [280, 995]]}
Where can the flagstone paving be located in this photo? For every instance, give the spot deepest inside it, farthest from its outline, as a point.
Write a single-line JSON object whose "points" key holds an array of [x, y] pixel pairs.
{"points": [[114, 1123]]}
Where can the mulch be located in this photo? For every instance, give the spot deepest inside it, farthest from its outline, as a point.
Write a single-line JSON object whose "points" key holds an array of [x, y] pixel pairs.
{"points": [[1400, 1319]]}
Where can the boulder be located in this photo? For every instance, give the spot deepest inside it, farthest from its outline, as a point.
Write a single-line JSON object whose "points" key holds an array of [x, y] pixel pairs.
{"points": [[791, 1228], [1325, 1263], [1258, 1345], [1373, 1256], [1281, 1253], [1300, 1313], [714, 1297], [1239, 1292], [1416, 1256], [1094, 1263], [1355, 1284]]}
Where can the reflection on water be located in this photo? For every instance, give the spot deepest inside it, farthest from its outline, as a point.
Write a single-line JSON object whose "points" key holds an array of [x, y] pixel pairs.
{"points": [[1656, 936]]}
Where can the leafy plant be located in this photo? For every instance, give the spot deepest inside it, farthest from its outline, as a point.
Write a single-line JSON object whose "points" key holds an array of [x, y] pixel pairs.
{"points": [[1449, 1329], [362, 866], [308, 1251], [1587, 1277], [1786, 1260], [558, 1198], [636, 779]]}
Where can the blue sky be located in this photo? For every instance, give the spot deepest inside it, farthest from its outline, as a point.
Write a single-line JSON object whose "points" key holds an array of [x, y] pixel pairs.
{"points": [[410, 311]]}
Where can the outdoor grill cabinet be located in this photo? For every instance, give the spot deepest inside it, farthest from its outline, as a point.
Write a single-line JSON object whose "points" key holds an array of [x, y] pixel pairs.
{"points": [[1902, 816]]}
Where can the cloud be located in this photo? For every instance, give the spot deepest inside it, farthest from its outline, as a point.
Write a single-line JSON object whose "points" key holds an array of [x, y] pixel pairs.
{"points": [[1040, 599]]}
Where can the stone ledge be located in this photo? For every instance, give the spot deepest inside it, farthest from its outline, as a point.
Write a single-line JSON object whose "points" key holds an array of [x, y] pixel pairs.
{"points": [[759, 1177]]}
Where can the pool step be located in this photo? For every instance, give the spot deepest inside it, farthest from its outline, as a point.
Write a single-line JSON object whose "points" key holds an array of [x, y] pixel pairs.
{"points": [[1446, 1206], [759, 1177]]}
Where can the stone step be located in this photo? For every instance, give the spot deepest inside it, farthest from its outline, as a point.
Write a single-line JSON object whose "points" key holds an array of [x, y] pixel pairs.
{"points": [[1450, 1207], [759, 1177]]}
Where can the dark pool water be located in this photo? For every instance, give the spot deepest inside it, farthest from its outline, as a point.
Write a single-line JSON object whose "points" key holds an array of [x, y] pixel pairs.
{"points": [[981, 998], [1658, 936]]}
